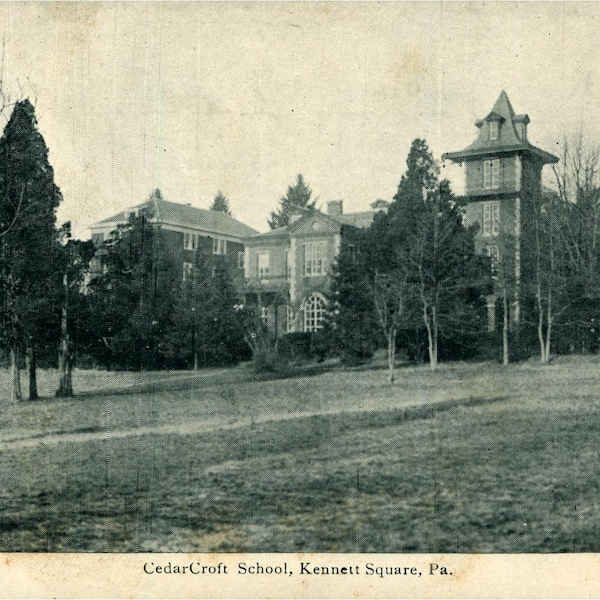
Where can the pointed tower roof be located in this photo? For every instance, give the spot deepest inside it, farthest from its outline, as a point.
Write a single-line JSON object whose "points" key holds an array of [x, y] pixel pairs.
{"points": [[503, 106], [510, 135]]}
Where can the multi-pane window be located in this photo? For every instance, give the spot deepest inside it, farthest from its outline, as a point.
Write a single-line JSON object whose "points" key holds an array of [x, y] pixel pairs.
{"points": [[263, 260], [190, 241], [219, 246], [315, 259], [264, 314], [187, 271], [491, 218], [240, 262], [314, 312], [494, 254], [491, 174], [493, 130]]}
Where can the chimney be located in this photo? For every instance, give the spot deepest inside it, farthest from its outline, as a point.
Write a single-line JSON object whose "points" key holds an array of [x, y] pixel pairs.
{"points": [[295, 216], [380, 205], [334, 208]]}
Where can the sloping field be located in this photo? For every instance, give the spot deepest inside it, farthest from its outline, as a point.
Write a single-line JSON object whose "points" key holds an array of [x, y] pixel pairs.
{"points": [[476, 458]]}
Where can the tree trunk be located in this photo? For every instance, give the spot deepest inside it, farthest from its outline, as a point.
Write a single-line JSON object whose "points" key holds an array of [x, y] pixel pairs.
{"points": [[549, 317], [434, 336], [65, 382], [429, 343], [391, 354], [540, 326], [504, 327], [16, 395], [540, 329], [32, 368]]}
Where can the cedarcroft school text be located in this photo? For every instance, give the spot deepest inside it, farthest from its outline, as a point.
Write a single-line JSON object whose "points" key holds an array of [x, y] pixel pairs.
{"points": [[303, 568]]}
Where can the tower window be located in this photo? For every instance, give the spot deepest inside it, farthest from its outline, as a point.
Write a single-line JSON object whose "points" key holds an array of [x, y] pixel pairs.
{"points": [[493, 130], [491, 219], [491, 174]]}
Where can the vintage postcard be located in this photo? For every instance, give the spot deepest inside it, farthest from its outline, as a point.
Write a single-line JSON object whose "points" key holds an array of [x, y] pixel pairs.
{"points": [[299, 299]]}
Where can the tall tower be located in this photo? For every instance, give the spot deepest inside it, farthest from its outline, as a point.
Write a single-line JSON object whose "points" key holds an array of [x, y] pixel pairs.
{"points": [[503, 174]]}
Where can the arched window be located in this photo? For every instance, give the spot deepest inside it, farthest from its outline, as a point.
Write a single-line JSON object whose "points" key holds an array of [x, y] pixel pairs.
{"points": [[314, 308]]}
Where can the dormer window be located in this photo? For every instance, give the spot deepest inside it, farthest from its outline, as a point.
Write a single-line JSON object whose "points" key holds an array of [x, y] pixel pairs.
{"points": [[493, 130]]}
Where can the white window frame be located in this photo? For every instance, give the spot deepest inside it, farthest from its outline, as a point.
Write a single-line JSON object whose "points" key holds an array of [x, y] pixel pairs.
{"points": [[314, 308], [490, 219], [494, 130], [190, 241], [315, 259], [219, 246], [491, 174], [263, 263], [187, 271]]}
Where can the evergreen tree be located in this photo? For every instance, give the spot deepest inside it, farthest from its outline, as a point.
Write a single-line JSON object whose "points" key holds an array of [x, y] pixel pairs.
{"points": [[297, 197], [133, 302], [208, 331], [355, 328], [29, 251], [221, 203], [76, 256], [418, 267]]}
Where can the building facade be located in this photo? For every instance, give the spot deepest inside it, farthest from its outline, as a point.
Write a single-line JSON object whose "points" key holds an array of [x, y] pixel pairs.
{"points": [[187, 230], [503, 175], [288, 270]]}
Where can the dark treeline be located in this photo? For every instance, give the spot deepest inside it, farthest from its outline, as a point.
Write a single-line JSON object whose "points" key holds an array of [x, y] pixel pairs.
{"points": [[141, 315], [411, 283]]}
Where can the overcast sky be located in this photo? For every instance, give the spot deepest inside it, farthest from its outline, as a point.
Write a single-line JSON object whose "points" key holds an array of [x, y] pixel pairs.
{"points": [[196, 97]]}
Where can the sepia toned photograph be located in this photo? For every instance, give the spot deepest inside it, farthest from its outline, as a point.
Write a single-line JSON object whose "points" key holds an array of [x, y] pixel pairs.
{"points": [[300, 277]]}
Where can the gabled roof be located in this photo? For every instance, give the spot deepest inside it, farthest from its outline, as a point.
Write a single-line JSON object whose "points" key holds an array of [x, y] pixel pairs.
{"points": [[508, 140], [185, 215], [360, 220]]}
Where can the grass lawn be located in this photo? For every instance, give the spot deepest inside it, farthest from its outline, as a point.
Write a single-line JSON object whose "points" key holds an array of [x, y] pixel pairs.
{"points": [[473, 458]]}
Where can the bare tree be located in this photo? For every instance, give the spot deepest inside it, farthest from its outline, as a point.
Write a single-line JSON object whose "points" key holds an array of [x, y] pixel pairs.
{"points": [[548, 218], [577, 218], [390, 299]]}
